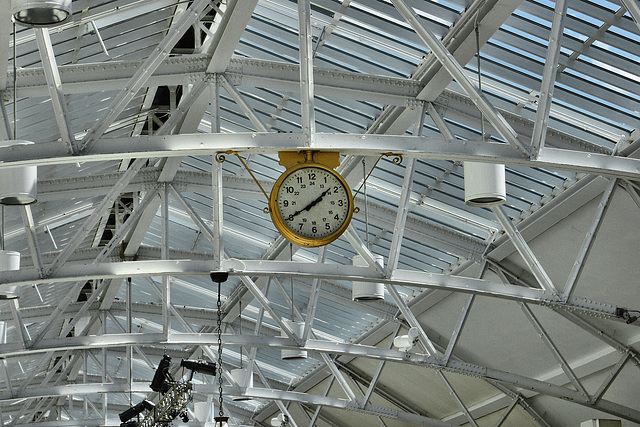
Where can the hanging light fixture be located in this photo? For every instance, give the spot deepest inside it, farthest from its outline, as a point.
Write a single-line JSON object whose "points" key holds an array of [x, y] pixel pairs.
{"points": [[9, 261], [367, 291], [298, 330], [241, 375], [221, 419], [41, 13], [296, 327], [19, 184], [484, 184]]}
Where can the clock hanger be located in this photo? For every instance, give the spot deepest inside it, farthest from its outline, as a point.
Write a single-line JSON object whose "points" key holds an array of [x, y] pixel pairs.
{"points": [[310, 204]]}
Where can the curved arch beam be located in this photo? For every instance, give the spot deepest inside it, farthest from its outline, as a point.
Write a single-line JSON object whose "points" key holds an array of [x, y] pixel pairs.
{"points": [[71, 272], [320, 346]]}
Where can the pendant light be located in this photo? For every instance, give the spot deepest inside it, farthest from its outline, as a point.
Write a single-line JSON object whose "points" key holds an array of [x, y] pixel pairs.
{"points": [[241, 375], [19, 184], [296, 327], [221, 419], [484, 183], [41, 13], [9, 261]]}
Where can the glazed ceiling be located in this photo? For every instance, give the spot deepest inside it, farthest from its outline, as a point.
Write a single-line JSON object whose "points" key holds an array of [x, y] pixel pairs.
{"points": [[156, 127]]}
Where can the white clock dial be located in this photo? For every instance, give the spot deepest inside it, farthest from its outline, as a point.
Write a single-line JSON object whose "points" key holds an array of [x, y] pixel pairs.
{"points": [[313, 205]]}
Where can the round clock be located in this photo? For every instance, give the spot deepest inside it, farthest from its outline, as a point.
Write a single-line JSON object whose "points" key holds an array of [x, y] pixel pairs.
{"points": [[311, 204]]}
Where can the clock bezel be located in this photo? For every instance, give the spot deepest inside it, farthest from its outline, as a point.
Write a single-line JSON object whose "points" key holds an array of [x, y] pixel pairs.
{"points": [[291, 235]]}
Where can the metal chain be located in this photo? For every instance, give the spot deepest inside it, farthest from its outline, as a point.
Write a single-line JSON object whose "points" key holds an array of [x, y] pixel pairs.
{"points": [[219, 304]]}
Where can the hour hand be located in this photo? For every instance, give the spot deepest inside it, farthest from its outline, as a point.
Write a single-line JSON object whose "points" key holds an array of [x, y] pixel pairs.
{"points": [[312, 204]]}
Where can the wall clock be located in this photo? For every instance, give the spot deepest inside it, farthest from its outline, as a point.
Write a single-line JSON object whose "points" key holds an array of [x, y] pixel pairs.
{"points": [[311, 204]]}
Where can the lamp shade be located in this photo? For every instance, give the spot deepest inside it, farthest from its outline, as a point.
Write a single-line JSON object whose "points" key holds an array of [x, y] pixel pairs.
{"points": [[9, 261], [41, 13], [298, 330], [19, 185], [244, 379], [367, 291], [484, 184]]}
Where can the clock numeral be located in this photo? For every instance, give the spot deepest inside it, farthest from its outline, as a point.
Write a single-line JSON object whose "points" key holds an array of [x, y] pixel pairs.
{"points": [[299, 179], [314, 229], [327, 226], [285, 203], [301, 224], [290, 189], [340, 202]]}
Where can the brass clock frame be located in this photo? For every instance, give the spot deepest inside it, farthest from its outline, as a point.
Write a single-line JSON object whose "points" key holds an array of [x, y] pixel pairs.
{"points": [[289, 234]]}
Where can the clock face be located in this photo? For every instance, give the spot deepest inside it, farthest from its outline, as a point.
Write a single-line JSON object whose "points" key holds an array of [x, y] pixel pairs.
{"points": [[311, 205]]}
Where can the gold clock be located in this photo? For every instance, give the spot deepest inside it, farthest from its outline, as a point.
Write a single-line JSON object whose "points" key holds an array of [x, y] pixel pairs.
{"points": [[311, 204]]}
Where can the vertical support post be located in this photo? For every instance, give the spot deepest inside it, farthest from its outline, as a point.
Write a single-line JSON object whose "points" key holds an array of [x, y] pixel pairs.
{"points": [[306, 71], [313, 300], [548, 79], [166, 293]]}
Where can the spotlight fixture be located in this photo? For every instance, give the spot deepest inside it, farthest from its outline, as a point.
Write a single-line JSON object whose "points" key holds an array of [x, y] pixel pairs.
{"points": [[406, 342], [280, 420], [625, 314], [162, 379], [136, 410], [201, 366]]}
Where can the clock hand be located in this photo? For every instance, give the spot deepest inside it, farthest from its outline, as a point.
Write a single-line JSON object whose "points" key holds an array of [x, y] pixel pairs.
{"points": [[312, 204]]}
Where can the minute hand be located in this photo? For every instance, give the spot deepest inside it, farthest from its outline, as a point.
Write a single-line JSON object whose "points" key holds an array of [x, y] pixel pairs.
{"points": [[312, 204]]}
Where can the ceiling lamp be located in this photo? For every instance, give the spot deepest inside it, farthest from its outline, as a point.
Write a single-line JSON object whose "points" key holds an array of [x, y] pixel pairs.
{"points": [[298, 331], [367, 291], [41, 13], [484, 184], [244, 378], [9, 261], [19, 184]]}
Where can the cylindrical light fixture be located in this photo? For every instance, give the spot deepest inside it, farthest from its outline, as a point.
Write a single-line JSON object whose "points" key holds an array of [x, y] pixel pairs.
{"points": [[41, 13], [19, 185], [484, 184], [367, 291], [298, 330], [9, 261], [244, 379]]}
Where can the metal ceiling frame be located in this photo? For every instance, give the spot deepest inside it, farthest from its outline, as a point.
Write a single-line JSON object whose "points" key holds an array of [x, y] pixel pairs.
{"points": [[177, 138]]}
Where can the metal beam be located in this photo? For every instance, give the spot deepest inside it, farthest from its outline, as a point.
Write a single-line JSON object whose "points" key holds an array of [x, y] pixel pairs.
{"points": [[136, 82], [60, 109], [266, 268], [523, 248], [548, 78], [447, 60], [366, 145]]}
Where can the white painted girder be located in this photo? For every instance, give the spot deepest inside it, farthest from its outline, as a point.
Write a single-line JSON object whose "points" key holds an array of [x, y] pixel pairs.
{"points": [[118, 340], [356, 144], [257, 268]]}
